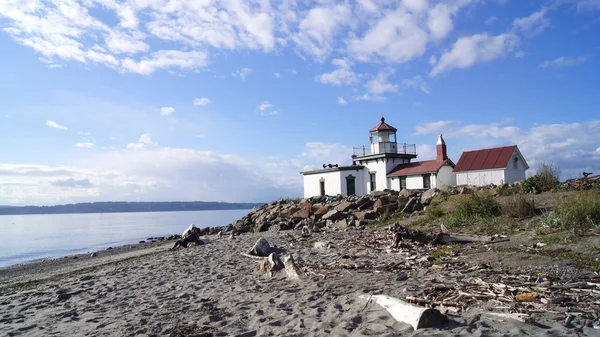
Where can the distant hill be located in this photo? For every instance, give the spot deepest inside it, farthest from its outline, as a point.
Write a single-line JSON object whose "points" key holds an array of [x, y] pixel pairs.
{"points": [[119, 206]]}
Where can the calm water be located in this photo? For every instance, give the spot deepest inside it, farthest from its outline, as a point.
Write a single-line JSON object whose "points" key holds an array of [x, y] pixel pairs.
{"points": [[25, 238]]}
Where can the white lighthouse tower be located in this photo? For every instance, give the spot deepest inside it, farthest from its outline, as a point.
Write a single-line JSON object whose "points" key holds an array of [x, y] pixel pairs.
{"points": [[382, 155]]}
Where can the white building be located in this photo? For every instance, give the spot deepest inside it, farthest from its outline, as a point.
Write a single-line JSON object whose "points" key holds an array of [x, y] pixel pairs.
{"points": [[500, 165], [384, 164]]}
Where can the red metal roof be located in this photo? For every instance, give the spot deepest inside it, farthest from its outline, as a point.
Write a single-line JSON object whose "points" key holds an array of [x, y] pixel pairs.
{"points": [[418, 167], [383, 126], [485, 159]]}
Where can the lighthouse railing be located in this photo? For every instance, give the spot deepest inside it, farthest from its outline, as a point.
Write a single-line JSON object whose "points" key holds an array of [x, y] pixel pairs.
{"points": [[399, 148]]}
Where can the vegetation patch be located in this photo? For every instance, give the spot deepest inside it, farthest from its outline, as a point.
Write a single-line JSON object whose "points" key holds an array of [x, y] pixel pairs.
{"points": [[547, 178], [471, 208], [519, 206], [579, 213]]}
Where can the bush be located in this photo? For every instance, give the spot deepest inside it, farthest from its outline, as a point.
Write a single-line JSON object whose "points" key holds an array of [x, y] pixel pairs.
{"points": [[546, 179], [469, 209], [519, 206], [579, 212], [433, 211]]}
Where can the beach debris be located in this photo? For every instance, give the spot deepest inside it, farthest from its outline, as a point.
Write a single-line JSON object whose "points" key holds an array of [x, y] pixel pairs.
{"points": [[417, 317], [401, 232], [292, 271], [260, 248], [220, 234], [94, 254]]}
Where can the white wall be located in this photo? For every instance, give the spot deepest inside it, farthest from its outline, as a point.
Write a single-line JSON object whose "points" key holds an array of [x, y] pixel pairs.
{"points": [[445, 176], [480, 178], [512, 174], [414, 182], [335, 182], [382, 167]]}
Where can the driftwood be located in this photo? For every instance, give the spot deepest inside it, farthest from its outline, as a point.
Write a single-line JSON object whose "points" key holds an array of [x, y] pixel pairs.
{"points": [[401, 232], [417, 317], [292, 271]]}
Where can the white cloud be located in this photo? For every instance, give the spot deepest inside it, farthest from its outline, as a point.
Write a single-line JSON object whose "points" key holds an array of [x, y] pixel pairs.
{"points": [[317, 29], [563, 61], [121, 43], [416, 6], [167, 110], [433, 127], [264, 106], [343, 75], [277, 75], [380, 85], [588, 5], [85, 145], [202, 101], [491, 20], [144, 141], [395, 38], [473, 49], [520, 54], [165, 59], [319, 153], [341, 101], [416, 82], [55, 125], [242, 73], [533, 24]]}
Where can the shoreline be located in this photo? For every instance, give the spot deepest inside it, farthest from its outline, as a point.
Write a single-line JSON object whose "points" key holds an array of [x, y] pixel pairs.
{"points": [[212, 290]]}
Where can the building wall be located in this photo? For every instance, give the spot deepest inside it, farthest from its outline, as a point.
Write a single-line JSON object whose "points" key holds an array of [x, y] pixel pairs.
{"points": [[480, 178], [445, 176], [335, 182], [512, 173], [381, 167], [414, 182]]}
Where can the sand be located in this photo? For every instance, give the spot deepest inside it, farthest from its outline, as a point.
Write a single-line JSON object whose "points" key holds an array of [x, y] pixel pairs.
{"points": [[211, 290]]}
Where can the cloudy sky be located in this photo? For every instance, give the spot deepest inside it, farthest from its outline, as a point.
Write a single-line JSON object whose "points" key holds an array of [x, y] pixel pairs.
{"points": [[146, 100]]}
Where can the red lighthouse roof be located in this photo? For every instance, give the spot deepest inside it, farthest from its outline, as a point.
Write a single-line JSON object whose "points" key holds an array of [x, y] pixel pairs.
{"points": [[383, 126]]}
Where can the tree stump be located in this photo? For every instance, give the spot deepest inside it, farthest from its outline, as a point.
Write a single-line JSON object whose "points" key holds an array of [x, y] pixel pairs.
{"points": [[292, 271]]}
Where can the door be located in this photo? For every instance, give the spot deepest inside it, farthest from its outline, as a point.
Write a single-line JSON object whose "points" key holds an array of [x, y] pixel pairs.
{"points": [[427, 181], [373, 181], [350, 185], [403, 183], [322, 187]]}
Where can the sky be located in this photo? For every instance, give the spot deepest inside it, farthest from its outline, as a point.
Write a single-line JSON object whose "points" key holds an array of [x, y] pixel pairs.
{"points": [[229, 100]]}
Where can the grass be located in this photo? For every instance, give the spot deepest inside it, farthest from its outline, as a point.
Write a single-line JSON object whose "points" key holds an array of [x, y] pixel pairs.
{"points": [[579, 212], [519, 206], [472, 208]]}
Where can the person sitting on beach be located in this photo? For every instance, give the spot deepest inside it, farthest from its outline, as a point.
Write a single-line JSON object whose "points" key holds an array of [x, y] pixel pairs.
{"points": [[190, 235]]}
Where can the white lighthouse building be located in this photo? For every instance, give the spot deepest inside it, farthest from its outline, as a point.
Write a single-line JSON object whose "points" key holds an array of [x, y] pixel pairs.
{"points": [[383, 164]]}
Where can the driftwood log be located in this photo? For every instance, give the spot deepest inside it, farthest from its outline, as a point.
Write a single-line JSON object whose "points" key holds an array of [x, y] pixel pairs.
{"points": [[292, 271], [401, 232], [417, 317]]}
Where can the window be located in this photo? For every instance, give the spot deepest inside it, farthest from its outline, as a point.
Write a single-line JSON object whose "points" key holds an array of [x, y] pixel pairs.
{"points": [[403, 183], [373, 175], [350, 186], [322, 186], [427, 181], [515, 162]]}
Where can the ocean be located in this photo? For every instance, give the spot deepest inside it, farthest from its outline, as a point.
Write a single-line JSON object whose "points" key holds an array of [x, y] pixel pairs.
{"points": [[25, 238]]}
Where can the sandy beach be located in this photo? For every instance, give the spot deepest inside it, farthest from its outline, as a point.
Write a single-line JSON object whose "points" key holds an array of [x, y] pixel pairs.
{"points": [[212, 290]]}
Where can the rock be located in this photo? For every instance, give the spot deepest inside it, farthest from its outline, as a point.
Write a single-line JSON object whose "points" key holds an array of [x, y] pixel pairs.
{"points": [[378, 193], [342, 224], [366, 205], [109, 248], [381, 202], [260, 248], [464, 190], [428, 195], [304, 211], [362, 200], [320, 212], [410, 205], [263, 227], [366, 215], [405, 193], [345, 206], [386, 209], [402, 201], [94, 255], [333, 215]]}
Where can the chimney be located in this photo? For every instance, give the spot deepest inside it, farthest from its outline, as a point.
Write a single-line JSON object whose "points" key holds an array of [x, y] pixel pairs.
{"points": [[441, 149]]}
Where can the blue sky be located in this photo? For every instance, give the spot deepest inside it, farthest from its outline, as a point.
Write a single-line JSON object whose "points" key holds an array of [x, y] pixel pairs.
{"points": [[145, 100]]}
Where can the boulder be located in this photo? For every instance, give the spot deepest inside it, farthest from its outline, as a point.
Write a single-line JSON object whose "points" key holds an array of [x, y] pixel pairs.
{"points": [[362, 200], [342, 224], [262, 227], [386, 209], [464, 190], [370, 215], [304, 211], [428, 195], [345, 206], [367, 205], [406, 193], [333, 215]]}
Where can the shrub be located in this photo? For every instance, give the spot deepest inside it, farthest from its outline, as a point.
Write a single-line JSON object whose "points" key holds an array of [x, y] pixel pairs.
{"points": [[519, 206], [433, 211], [546, 179], [579, 212], [469, 209]]}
